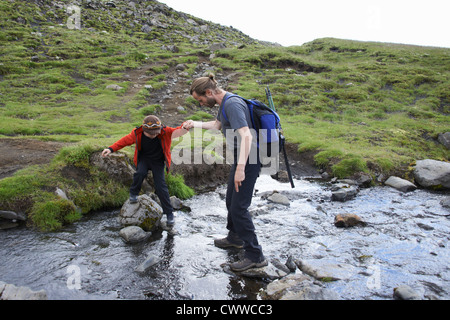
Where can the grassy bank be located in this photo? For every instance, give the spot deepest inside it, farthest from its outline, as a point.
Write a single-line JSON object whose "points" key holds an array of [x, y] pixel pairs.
{"points": [[88, 189]]}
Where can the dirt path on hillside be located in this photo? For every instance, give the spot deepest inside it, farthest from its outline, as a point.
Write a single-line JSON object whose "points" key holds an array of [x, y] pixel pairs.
{"points": [[176, 90], [16, 154]]}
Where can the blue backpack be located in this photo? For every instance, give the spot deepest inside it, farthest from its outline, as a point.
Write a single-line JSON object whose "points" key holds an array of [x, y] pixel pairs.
{"points": [[264, 120]]}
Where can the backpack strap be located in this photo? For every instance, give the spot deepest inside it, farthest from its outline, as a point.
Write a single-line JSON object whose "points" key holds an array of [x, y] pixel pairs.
{"points": [[225, 100], [247, 102]]}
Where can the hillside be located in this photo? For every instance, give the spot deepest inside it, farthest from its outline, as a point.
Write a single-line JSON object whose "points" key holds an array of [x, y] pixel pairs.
{"points": [[355, 106]]}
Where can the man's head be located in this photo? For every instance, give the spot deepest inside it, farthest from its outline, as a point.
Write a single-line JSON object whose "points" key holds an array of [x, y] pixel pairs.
{"points": [[203, 89], [152, 126]]}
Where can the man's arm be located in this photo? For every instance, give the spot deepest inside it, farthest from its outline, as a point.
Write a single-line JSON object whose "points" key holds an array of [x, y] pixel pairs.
{"points": [[211, 125], [246, 143]]}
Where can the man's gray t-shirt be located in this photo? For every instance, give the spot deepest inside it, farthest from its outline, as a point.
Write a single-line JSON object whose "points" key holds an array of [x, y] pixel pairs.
{"points": [[237, 117]]}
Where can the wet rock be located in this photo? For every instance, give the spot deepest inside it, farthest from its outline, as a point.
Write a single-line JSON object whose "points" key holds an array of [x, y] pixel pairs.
{"points": [[432, 174], [445, 202], [280, 266], [146, 214], [297, 287], [364, 180], [279, 199], [11, 292], [424, 226], [269, 272], [149, 262], [400, 184], [343, 192], [134, 234], [9, 219], [405, 292], [7, 224], [348, 220], [10, 215], [281, 176], [290, 263], [177, 204], [325, 270]]}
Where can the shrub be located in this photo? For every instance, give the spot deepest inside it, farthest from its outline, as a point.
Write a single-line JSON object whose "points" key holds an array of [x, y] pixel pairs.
{"points": [[178, 188]]}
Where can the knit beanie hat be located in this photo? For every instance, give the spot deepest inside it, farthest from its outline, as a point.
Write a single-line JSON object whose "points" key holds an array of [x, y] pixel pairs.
{"points": [[152, 125]]}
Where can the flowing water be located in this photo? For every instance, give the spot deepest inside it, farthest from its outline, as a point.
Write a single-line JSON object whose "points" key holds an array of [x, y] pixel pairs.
{"points": [[405, 242]]}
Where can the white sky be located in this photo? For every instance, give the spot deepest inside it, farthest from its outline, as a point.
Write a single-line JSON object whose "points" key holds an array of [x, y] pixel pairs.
{"points": [[294, 22]]}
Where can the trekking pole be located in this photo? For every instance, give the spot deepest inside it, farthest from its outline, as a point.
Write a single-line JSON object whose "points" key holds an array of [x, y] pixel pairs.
{"points": [[282, 139], [269, 98]]}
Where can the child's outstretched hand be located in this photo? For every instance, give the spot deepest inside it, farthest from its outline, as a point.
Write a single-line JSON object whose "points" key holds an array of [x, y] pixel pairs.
{"points": [[106, 152]]}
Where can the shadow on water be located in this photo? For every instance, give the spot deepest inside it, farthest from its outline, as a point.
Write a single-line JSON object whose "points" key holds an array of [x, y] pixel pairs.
{"points": [[405, 242]]}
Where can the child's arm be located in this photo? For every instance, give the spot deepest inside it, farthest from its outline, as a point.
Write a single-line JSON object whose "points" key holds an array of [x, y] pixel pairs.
{"points": [[126, 141], [180, 131]]}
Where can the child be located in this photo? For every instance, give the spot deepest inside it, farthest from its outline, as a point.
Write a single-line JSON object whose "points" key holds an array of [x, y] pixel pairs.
{"points": [[153, 142]]}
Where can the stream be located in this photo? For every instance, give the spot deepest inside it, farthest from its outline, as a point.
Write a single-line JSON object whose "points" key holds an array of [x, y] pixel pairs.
{"points": [[404, 243]]}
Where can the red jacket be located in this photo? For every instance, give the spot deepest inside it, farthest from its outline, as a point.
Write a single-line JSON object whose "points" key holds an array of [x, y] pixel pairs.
{"points": [[135, 138]]}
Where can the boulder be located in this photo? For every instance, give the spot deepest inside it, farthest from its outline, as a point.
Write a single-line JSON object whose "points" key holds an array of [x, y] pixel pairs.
{"points": [[279, 199], [432, 174], [134, 234], [146, 214], [9, 219], [444, 139], [400, 184], [10, 215], [117, 165], [343, 192], [348, 220], [177, 204]]}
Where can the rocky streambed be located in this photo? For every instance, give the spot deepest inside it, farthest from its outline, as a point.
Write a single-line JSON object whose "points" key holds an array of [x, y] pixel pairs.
{"points": [[399, 243]]}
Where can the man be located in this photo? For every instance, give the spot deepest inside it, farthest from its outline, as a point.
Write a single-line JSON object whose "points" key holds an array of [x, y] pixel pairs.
{"points": [[243, 175], [152, 152]]}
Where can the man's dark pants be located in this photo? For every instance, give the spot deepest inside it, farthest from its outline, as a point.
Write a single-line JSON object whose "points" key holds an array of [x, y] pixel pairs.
{"points": [[159, 180], [239, 220]]}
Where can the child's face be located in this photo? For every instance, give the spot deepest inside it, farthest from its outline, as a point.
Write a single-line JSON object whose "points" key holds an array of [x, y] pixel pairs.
{"points": [[151, 136]]}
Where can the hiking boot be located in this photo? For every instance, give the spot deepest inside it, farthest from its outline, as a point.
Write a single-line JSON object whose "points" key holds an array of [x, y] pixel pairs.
{"points": [[247, 264], [133, 199], [225, 243], [170, 220]]}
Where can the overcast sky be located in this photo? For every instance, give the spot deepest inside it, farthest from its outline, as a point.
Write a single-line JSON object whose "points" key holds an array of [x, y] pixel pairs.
{"points": [[294, 22]]}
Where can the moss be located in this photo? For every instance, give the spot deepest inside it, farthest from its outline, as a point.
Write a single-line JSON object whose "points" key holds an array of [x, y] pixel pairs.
{"points": [[52, 215], [348, 167]]}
